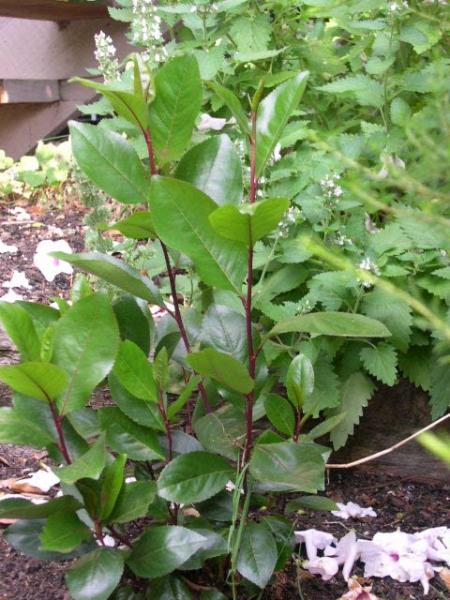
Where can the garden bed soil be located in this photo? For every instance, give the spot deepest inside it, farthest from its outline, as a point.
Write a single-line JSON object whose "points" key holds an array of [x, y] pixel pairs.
{"points": [[401, 501]]}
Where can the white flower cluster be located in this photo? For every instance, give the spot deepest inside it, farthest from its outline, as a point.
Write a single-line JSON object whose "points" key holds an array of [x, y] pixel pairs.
{"points": [[367, 264], [105, 55], [330, 188], [402, 556], [397, 6], [342, 240], [289, 219], [146, 30]]}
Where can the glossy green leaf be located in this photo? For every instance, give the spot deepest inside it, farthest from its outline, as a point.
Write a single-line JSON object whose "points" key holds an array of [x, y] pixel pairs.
{"points": [[288, 467], [89, 465], [222, 431], [125, 102], [162, 549], [223, 368], [18, 324], [15, 429], [19, 508], [63, 532], [194, 477], [300, 380], [177, 103], [127, 437], [215, 545], [133, 501], [181, 218], [249, 223], [233, 104], [111, 484], [311, 503], [43, 381], [257, 555], [169, 588], [111, 162], [143, 413], [133, 324], [116, 272], [223, 329], [280, 413], [325, 426], [96, 575], [215, 168], [273, 115], [134, 372], [175, 407], [332, 323], [85, 345], [138, 226], [24, 536]]}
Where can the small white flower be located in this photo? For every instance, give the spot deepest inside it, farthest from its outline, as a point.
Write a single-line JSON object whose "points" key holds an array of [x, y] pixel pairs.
{"points": [[276, 156], [207, 122], [351, 510], [19, 212], [18, 279], [230, 487], [4, 248], [11, 297], [49, 266], [105, 53]]}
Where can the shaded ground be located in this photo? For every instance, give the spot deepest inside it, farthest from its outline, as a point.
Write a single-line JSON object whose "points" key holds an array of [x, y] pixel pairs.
{"points": [[399, 503]]}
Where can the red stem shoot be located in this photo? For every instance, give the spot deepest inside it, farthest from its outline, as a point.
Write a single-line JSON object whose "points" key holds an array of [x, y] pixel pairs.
{"points": [[57, 420]]}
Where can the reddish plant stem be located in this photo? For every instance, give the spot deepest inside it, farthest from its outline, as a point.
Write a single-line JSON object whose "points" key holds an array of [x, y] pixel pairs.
{"points": [[99, 532], [248, 302], [172, 278], [298, 424], [57, 420], [122, 539]]}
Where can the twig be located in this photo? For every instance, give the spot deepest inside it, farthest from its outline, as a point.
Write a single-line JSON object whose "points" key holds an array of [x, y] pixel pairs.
{"points": [[361, 461]]}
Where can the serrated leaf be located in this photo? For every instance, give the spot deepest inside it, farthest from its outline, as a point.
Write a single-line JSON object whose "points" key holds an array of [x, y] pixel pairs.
{"points": [[19, 508], [368, 91], [381, 362], [356, 392], [15, 429], [133, 501], [233, 103], [440, 389], [138, 226], [223, 329], [181, 218], [251, 33], [222, 431], [300, 380], [416, 366], [393, 313], [326, 389]]}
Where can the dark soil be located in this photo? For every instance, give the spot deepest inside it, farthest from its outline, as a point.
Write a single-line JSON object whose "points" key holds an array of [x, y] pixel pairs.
{"points": [[399, 503]]}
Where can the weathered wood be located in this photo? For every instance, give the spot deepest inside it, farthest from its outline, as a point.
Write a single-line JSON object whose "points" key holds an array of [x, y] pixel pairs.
{"points": [[392, 415], [15, 91], [52, 10]]}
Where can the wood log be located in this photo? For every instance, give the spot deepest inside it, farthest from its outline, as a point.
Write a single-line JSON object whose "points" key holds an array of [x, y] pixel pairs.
{"points": [[52, 10]]}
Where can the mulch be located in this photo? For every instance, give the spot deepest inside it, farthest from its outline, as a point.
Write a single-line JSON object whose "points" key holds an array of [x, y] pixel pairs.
{"points": [[399, 503]]}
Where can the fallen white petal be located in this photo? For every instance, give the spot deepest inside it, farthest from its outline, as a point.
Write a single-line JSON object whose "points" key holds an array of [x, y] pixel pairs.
{"points": [[4, 248], [43, 479], [325, 566], [11, 297], [49, 266], [351, 510], [207, 122], [314, 540], [18, 280]]}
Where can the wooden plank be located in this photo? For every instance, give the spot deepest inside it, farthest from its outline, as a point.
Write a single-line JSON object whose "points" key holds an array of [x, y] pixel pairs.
{"points": [[44, 50], [14, 91], [52, 10], [23, 125]]}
